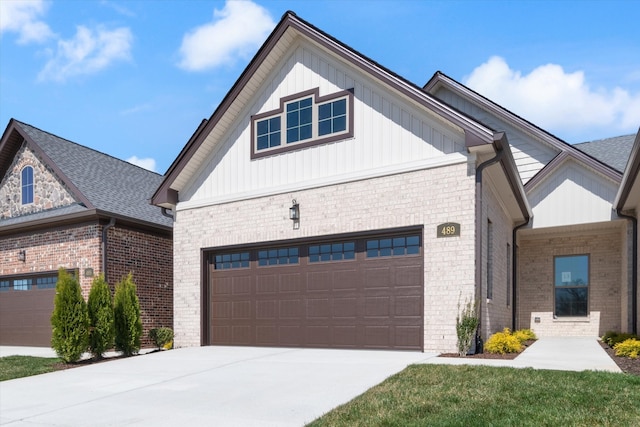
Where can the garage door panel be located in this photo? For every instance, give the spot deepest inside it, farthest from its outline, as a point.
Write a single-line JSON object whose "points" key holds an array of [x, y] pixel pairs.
{"points": [[25, 317], [332, 300]]}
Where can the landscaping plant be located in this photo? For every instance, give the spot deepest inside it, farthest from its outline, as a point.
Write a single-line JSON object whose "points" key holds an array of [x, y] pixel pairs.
{"points": [[70, 321], [127, 321], [611, 338], [503, 342], [101, 317], [628, 348], [466, 325], [162, 337]]}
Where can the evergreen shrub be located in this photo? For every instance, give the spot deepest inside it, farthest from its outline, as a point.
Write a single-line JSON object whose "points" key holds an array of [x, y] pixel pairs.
{"points": [[127, 321], [101, 317], [162, 337], [69, 320]]}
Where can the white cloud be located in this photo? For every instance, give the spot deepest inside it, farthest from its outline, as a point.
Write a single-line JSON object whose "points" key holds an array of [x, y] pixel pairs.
{"points": [[558, 101], [23, 17], [236, 32], [147, 163], [90, 51]]}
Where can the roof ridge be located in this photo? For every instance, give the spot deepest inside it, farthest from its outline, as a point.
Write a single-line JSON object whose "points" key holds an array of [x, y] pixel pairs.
{"points": [[85, 147]]}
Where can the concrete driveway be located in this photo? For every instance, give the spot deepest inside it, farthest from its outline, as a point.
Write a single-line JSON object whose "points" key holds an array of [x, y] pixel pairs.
{"points": [[202, 386]]}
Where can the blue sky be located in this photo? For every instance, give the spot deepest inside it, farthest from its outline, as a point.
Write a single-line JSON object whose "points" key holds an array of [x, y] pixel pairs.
{"points": [[134, 78]]}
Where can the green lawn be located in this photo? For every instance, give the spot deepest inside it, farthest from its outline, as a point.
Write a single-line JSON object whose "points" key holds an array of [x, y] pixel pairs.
{"points": [[443, 395], [12, 367]]}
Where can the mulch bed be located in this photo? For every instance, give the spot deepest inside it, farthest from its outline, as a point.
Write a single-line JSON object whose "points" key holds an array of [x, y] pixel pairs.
{"points": [[626, 365]]}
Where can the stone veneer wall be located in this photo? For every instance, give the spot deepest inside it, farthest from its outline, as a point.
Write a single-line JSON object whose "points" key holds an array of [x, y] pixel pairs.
{"points": [[48, 191], [428, 197], [536, 290], [149, 257]]}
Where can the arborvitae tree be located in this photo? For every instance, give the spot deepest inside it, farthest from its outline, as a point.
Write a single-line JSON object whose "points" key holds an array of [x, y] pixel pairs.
{"points": [[101, 318], [128, 324], [70, 321]]}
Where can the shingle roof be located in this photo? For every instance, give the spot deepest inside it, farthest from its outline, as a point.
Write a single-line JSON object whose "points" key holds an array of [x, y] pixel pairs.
{"points": [[613, 152], [111, 185]]}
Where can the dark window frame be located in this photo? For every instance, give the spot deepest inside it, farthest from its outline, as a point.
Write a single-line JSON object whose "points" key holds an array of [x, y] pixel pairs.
{"points": [[33, 284], [391, 244], [316, 139], [578, 287], [344, 251], [27, 188]]}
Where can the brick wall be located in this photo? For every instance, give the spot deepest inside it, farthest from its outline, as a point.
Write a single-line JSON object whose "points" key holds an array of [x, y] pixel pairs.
{"points": [[149, 258], [536, 282], [428, 197]]}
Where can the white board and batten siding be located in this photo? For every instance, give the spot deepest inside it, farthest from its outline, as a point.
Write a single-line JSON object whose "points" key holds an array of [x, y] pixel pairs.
{"points": [[529, 154], [572, 195], [391, 135]]}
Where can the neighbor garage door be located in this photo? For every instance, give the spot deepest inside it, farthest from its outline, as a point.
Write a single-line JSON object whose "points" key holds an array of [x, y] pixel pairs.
{"points": [[26, 304], [346, 292]]}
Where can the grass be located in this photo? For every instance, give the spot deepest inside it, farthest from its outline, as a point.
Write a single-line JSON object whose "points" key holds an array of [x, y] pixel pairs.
{"points": [[12, 367], [443, 395]]}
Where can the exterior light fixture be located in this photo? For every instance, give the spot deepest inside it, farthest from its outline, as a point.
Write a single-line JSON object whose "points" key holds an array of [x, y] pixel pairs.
{"points": [[22, 255], [294, 211]]}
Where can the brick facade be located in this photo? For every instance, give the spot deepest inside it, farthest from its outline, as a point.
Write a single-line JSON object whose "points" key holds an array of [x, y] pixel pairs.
{"points": [[427, 197], [536, 282]]}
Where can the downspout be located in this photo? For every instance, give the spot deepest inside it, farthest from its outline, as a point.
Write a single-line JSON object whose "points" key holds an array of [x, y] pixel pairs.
{"points": [[165, 213], [634, 269], [479, 227], [514, 272], [106, 228]]}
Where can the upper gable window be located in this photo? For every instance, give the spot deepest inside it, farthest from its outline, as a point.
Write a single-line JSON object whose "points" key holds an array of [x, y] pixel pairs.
{"points": [[303, 120], [27, 185]]}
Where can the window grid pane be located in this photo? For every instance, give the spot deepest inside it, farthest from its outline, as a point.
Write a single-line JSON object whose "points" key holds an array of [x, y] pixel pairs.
{"points": [[332, 252], [27, 185], [46, 282], [281, 256], [332, 117], [5, 285], [22, 284], [231, 261], [299, 118], [398, 246], [268, 133]]}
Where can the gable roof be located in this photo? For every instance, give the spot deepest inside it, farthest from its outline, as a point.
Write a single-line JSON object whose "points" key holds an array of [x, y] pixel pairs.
{"points": [[275, 47], [628, 197], [103, 185], [610, 151], [565, 149]]}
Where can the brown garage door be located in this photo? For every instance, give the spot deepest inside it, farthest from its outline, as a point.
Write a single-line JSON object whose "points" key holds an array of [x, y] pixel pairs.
{"points": [[26, 304], [341, 293]]}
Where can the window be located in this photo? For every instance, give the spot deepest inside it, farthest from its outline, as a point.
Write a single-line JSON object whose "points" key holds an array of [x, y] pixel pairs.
{"points": [[299, 120], [332, 252], [229, 261], [396, 246], [268, 133], [22, 284], [5, 285], [332, 117], [303, 120], [571, 287], [27, 185], [278, 256], [46, 282]]}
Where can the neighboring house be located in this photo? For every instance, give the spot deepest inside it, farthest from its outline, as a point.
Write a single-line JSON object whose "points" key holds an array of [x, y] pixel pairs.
{"points": [[66, 205], [328, 202]]}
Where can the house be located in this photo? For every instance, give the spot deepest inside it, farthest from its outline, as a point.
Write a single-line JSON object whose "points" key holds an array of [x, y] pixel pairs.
{"points": [[66, 205], [328, 202]]}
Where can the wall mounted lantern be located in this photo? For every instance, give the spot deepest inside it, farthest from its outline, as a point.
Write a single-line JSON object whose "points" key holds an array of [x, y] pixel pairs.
{"points": [[22, 255], [294, 211]]}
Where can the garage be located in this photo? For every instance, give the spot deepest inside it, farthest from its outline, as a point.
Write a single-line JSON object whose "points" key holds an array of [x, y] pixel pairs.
{"points": [[349, 291], [26, 304]]}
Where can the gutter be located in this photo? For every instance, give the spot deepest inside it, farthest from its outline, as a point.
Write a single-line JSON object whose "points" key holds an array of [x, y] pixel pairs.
{"points": [[514, 272], [634, 269], [106, 228], [165, 213], [478, 246]]}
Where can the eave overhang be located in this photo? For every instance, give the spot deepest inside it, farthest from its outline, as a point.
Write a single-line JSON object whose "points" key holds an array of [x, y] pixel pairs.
{"points": [[628, 197]]}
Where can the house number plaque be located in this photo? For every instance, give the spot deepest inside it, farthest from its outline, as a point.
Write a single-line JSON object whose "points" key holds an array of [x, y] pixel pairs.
{"points": [[449, 229]]}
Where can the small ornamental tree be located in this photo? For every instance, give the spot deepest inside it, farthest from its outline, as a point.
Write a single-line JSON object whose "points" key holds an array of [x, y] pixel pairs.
{"points": [[70, 321], [101, 328], [128, 325]]}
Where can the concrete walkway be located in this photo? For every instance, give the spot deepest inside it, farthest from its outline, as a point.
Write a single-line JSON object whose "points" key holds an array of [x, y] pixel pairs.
{"points": [[237, 386]]}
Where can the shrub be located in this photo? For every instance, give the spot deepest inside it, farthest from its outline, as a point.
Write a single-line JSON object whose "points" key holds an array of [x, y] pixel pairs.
{"points": [[503, 342], [162, 337], [101, 328], [127, 322], [611, 338], [628, 348], [69, 320], [524, 335], [466, 325]]}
